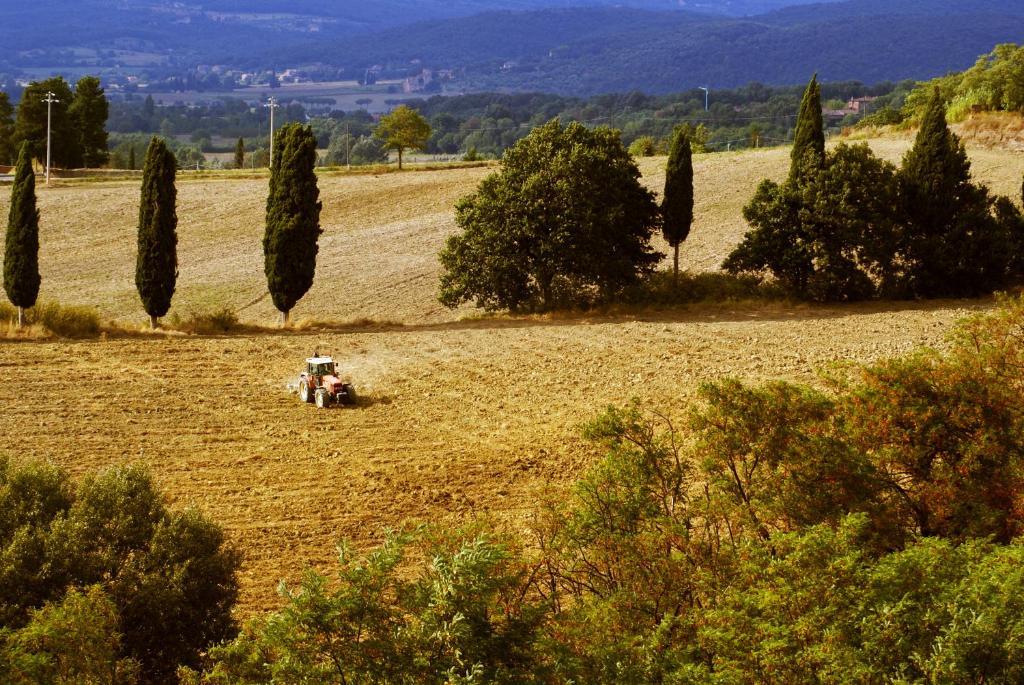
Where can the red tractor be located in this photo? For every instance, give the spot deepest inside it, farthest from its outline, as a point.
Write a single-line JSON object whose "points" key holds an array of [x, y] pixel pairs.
{"points": [[320, 383]]}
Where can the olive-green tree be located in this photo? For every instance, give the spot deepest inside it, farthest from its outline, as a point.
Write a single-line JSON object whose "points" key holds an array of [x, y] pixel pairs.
{"points": [[156, 267], [677, 205], [293, 218], [403, 129], [21, 244]]}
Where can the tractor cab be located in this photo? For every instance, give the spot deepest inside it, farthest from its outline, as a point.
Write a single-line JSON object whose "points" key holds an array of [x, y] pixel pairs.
{"points": [[320, 366]]}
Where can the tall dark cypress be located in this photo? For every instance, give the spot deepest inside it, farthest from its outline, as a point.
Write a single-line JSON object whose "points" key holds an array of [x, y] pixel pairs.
{"points": [[131, 157], [677, 205], [293, 218], [156, 269], [240, 154], [949, 244], [809, 137], [21, 247]]}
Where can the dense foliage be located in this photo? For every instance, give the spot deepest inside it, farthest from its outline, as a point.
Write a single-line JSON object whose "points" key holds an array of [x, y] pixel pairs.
{"points": [[89, 110], [293, 218], [78, 125], [848, 226], [101, 582], [491, 122], [156, 265], [994, 83], [867, 532], [564, 222], [21, 240]]}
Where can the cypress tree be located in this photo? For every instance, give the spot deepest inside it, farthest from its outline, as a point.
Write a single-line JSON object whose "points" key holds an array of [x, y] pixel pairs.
{"points": [[809, 137], [131, 157], [677, 205], [21, 247], [240, 154], [950, 244], [293, 218], [156, 269]]}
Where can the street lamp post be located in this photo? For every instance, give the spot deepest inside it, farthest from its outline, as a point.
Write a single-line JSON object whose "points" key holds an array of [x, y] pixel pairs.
{"points": [[49, 100], [705, 97], [271, 105]]}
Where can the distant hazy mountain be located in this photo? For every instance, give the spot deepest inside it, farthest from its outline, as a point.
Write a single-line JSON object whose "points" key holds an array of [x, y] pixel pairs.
{"points": [[594, 50], [552, 45]]}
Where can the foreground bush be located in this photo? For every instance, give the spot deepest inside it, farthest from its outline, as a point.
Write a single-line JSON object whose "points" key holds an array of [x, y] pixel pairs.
{"points": [[162, 583], [774, 534]]}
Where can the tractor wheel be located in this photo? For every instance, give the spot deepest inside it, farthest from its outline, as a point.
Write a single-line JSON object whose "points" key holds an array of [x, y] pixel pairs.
{"points": [[304, 393], [321, 398], [350, 395]]}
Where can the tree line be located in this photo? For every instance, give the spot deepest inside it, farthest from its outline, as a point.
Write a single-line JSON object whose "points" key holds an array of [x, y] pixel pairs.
{"points": [[847, 226], [78, 123], [290, 240], [566, 223]]}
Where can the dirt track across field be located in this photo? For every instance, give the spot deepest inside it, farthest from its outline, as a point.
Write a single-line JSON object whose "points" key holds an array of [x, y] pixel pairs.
{"points": [[461, 418]]}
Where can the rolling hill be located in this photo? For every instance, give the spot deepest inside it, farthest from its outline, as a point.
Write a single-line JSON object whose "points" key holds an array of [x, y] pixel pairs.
{"points": [[583, 51]]}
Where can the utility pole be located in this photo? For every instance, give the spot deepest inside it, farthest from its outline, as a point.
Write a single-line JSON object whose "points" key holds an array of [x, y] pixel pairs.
{"points": [[271, 105], [706, 91], [49, 100]]}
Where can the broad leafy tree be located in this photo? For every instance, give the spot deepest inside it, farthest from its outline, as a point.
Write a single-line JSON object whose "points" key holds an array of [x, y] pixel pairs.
{"points": [[21, 244], [89, 111], [156, 267], [293, 218], [403, 129], [677, 205], [565, 221], [30, 126]]}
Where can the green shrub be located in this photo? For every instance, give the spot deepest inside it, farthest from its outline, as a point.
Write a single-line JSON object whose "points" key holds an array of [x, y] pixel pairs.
{"points": [[169, 575]]}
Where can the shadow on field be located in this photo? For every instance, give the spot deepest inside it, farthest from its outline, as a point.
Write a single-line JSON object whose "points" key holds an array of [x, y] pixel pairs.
{"points": [[733, 312]]}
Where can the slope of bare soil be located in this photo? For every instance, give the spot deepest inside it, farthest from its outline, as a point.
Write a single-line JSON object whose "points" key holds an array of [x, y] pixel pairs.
{"points": [[460, 418]]}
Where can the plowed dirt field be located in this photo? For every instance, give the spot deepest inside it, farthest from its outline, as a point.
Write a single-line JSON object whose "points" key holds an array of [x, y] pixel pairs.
{"points": [[460, 418]]}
